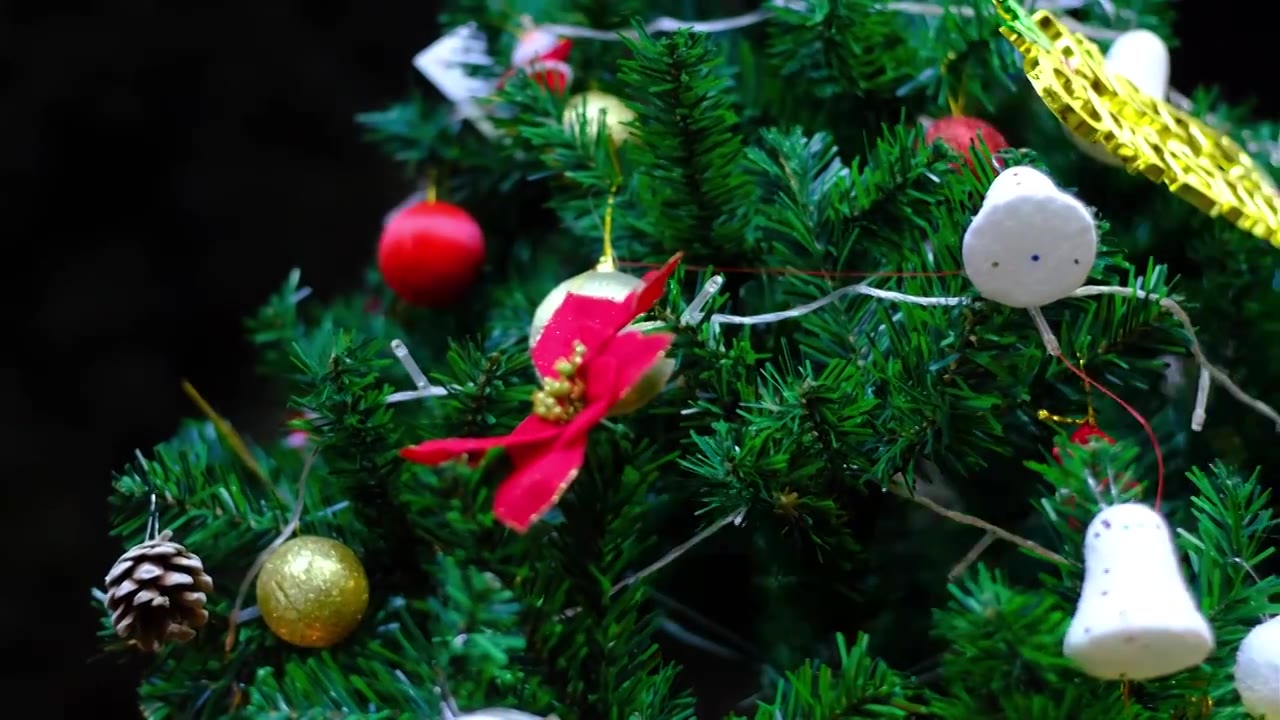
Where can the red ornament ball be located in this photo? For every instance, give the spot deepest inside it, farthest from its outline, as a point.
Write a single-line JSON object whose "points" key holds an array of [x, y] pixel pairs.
{"points": [[961, 134], [430, 253], [1084, 435]]}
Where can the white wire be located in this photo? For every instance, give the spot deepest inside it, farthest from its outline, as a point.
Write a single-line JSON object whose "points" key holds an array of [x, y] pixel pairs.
{"points": [[1208, 370], [859, 289], [755, 17]]}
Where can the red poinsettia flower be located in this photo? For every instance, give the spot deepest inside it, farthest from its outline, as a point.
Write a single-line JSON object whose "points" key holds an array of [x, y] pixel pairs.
{"points": [[587, 365]]}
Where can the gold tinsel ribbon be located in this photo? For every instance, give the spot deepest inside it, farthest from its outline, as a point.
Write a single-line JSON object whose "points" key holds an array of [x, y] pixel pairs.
{"points": [[1148, 135]]}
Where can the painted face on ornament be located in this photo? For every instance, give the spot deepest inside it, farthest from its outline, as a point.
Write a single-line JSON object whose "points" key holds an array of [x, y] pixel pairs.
{"points": [[1030, 244]]}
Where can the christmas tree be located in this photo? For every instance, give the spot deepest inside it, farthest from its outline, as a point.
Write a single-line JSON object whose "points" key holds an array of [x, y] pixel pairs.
{"points": [[896, 321]]}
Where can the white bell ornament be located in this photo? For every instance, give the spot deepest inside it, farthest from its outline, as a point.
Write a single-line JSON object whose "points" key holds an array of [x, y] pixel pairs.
{"points": [[1030, 244], [1257, 672], [1141, 57], [1136, 618]]}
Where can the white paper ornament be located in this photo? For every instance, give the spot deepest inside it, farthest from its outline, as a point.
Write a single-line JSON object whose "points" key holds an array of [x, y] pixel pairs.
{"points": [[449, 61], [1258, 671], [1136, 619], [532, 45], [1030, 244], [1016, 182], [1142, 58]]}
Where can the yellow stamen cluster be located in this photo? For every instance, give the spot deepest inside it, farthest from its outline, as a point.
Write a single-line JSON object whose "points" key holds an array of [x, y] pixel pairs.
{"points": [[562, 396]]}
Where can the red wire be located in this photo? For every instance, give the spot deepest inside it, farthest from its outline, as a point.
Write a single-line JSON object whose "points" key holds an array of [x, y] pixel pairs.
{"points": [[1151, 433]]}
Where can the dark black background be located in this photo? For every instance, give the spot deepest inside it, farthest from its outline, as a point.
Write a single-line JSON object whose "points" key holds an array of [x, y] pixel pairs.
{"points": [[163, 165]]}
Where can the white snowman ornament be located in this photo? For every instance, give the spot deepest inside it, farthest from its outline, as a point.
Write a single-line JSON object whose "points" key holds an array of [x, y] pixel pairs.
{"points": [[1257, 672], [1136, 618], [1031, 244], [1142, 58]]}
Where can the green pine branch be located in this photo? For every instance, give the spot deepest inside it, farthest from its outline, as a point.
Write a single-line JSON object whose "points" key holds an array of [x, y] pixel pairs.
{"points": [[449, 506], [1002, 641], [1234, 534], [905, 192], [1072, 702], [809, 186], [832, 48], [688, 157], [413, 132], [581, 164], [595, 633], [353, 430], [855, 685], [455, 647], [1089, 478]]}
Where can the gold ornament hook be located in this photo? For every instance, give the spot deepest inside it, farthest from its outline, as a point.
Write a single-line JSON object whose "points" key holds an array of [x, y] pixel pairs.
{"points": [[429, 194], [608, 262], [955, 95]]}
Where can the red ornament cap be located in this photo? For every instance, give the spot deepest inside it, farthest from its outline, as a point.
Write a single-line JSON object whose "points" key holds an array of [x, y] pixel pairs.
{"points": [[961, 134], [430, 253]]}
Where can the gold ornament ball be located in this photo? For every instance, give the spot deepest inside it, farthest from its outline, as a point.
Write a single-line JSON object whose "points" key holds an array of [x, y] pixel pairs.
{"points": [[611, 285], [592, 103], [312, 591]]}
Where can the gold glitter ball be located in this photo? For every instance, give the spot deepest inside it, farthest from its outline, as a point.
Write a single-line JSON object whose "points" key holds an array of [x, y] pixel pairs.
{"points": [[313, 592]]}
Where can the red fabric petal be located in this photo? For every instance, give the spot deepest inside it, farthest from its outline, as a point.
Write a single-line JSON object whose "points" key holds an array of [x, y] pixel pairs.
{"points": [[653, 284], [595, 321], [629, 357], [533, 431], [590, 320], [553, 80], [543, 476], [560, 51]]}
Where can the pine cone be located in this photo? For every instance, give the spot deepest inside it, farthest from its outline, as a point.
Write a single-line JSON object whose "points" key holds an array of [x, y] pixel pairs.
{"points": [[156, 594]]}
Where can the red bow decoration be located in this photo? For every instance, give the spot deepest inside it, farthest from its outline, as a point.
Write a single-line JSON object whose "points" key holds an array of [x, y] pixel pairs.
{"points": [[587, 364], [545, 58]]}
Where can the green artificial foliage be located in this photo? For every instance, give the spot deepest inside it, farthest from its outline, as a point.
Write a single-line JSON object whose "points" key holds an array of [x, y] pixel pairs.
{"points": [[757, 542]]}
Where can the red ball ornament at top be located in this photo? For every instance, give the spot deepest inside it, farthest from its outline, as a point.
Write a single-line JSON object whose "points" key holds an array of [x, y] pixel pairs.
{"points": [[961, 133], [1083, 435], [430, 253]]}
